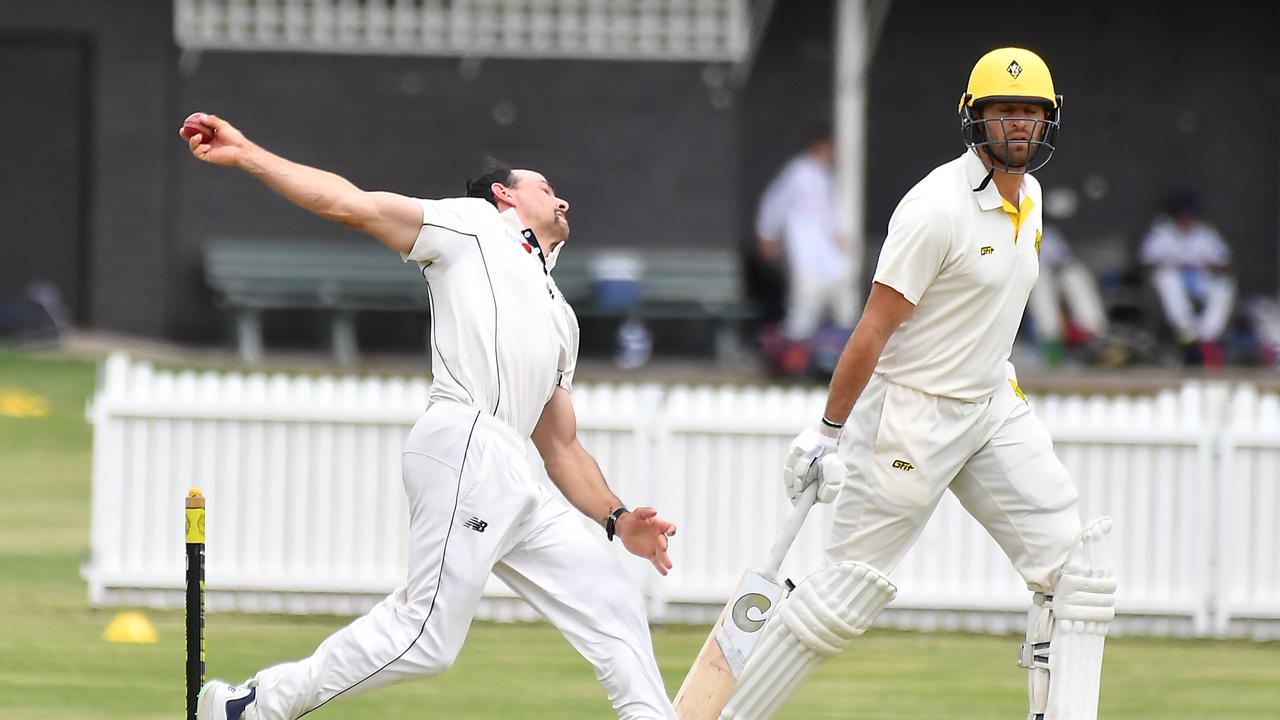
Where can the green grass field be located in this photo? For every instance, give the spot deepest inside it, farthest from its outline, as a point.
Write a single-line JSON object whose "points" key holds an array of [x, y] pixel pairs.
{"points": [[55, 664]]}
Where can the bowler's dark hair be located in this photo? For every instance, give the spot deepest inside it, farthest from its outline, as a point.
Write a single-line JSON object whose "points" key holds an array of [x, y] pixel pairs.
{"points": [[493, 172]]}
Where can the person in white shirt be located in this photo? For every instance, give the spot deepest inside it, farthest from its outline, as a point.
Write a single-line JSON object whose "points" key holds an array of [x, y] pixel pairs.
{"points": [[1189, 264], [933, 404], [796, 223], [504, 349]]}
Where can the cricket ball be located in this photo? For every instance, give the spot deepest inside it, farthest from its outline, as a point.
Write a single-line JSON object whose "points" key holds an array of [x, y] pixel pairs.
{"points": [[194, 126]]}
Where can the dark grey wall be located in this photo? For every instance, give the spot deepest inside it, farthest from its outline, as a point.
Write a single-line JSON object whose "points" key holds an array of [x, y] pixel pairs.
{"points": [[43, 81], [638, 149], [130, 58], [1156, 98]]}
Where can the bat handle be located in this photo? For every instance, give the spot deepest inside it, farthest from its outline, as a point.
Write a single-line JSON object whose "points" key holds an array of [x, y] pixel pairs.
{"points": [[790, 530]]}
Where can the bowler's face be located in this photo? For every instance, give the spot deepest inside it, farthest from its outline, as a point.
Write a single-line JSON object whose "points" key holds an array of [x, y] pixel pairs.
{"points": [[539, 207]]}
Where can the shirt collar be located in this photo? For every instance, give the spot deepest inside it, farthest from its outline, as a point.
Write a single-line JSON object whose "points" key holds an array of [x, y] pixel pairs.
{"points": [[525, 235], [976, 173]]}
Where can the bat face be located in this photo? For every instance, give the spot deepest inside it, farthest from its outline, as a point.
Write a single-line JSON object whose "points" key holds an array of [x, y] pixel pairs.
{"points": [[711, 680], [714, 675], [746, 614]]}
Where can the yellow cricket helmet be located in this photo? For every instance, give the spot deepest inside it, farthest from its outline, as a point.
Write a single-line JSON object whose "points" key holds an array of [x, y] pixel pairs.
{"points": [[1012, 74]]}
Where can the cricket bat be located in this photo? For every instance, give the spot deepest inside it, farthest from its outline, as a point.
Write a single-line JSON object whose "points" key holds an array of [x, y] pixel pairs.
{"points": [[711, 680]]}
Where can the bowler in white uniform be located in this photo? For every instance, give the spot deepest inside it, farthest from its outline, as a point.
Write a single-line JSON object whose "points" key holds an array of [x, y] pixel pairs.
{"points": [[932, 404], [504, 345]]}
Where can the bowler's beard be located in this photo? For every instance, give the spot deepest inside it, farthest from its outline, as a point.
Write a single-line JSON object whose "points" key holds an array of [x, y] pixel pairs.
{"points": [[559, 230]]}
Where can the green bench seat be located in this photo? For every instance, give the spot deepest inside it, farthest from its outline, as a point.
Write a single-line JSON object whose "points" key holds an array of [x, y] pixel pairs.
{"points": [[249, 277]]}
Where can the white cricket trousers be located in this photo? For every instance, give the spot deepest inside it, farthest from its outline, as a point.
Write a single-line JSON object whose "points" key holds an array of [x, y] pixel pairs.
{"points": [[810, 297], [1074, 283], [1217, 292], [904, 448], [474, 506]]}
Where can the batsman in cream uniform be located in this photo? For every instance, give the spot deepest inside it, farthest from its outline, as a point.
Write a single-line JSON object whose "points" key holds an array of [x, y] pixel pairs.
{"points": [[938, 406], [504, 346]]}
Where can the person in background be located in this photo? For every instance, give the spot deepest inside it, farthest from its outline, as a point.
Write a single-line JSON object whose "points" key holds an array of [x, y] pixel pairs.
{"points": [[796, 224], [1064, 280], [1189, 266]]}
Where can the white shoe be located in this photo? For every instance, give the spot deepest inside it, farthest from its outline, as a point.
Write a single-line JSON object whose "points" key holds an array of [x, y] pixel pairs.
{"points": [[220, 701]]}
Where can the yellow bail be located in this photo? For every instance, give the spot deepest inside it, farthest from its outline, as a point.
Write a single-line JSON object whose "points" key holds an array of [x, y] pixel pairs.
{"points": [[195, 517]]}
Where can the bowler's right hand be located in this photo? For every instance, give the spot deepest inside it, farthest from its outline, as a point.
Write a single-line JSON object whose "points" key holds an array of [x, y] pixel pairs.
{"points": [[813, 458], [226, 147]]}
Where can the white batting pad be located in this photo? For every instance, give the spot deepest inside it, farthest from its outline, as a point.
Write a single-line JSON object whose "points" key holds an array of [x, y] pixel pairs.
{"points": [[1066, 632], [819, 619]]}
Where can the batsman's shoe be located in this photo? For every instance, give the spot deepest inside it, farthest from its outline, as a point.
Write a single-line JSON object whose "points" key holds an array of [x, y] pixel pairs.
{"points": [[220, 701]]}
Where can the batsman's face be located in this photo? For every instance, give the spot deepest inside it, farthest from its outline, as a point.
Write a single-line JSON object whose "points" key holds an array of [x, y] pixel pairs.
{"points": [[538, 206], [1011, 128]]}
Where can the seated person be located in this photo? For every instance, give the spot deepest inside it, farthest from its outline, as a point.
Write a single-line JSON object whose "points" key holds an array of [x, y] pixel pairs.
{"points": [[1064, 280], [1189, 262]]}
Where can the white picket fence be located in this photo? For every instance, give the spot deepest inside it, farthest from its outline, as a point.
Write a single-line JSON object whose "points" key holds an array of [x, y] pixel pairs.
{"points": [[306, 512]]}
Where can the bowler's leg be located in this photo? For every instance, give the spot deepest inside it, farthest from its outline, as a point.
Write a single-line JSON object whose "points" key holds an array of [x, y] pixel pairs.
{"points": [[418, 630], [574, 579]]}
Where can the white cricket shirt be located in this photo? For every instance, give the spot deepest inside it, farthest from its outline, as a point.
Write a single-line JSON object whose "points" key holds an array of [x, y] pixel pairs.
{"points": [[1198, 246], [966, 259], [799, 208], [502, 336]]}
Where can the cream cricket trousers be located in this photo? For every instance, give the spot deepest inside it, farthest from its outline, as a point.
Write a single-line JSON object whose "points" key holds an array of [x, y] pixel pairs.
{"points": [[904, 448], [1217, 292], [1075, 284], [475, 507], [811, 296]]}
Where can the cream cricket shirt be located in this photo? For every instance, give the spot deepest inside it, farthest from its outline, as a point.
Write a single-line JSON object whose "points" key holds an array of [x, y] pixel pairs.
{"points": [[502, 335], [966, 259]]}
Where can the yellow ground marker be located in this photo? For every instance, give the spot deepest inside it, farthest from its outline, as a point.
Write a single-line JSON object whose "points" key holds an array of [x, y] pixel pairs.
{"points": [[19, 404], [131, 627]]}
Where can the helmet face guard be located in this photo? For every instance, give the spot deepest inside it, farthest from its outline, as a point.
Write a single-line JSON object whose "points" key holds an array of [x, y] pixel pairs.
{"points": [[997, 153]]}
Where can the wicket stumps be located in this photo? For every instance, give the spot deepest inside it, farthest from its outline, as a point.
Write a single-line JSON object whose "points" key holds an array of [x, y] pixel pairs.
{"points": [[195, 599]]}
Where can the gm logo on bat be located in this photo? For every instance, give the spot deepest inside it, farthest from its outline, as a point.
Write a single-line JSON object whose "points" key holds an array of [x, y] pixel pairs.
{"points": [[742, 615]]}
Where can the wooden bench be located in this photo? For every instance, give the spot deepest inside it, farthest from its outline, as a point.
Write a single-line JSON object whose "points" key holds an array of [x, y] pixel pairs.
{"points": [[340, 278], [249, 277]]}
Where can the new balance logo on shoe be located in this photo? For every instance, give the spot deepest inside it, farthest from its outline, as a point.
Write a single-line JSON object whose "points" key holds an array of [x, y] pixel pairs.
{"points": [[476, 524]]}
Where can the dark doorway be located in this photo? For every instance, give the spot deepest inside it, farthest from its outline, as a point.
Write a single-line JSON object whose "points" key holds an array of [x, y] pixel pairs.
{"points": [[43, 90]]}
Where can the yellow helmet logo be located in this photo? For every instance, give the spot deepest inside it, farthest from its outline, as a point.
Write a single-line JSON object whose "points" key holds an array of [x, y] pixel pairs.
{"points": [[1009, 74]]}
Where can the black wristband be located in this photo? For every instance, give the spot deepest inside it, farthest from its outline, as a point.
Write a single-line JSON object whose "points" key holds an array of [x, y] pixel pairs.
{"points": [[611, 522], [828, 423]]}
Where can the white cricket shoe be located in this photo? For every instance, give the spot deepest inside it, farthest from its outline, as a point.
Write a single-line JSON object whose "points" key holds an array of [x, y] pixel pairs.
{"points": [[221, 701]]}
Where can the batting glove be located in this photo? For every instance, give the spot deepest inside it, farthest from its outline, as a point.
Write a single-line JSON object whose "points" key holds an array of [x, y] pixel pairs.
{"points": [[813, 458]]}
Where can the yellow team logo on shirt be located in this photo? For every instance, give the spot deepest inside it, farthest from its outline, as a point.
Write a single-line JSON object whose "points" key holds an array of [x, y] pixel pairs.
{"points": [[903, 465], [1037, 243], [986, 250], [1017, 390]]}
